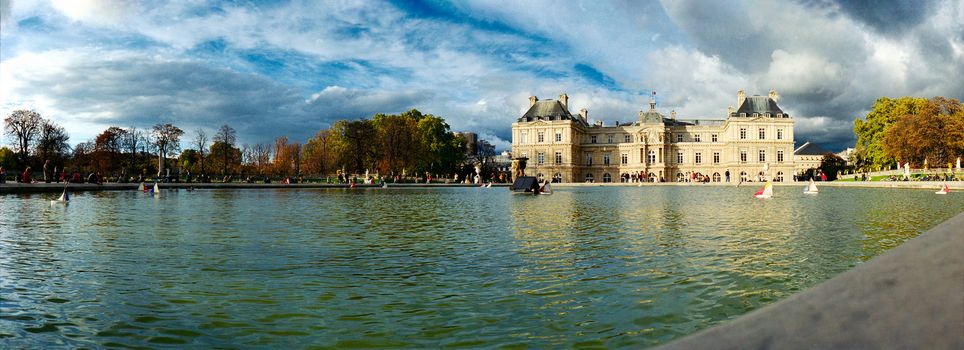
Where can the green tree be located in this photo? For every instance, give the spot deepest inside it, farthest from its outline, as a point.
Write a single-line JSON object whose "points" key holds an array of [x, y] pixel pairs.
{"points": [[397, 139], [831, 164], [354, 142], [8, 158]]}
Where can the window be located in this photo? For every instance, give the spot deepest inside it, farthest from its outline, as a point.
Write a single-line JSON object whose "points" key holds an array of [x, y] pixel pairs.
{"points": [[592, 139], [558, 136], [542, 137], [624, 158], [609, 138], [588, 158], [779, 115], [744, 177], [742, 115], [541, 158], [679, 137], [557, 178], [716, 177], [651, 159], [742, 133], [743, 156], [779, 134], [607, 177], [767, 114], [525, 154], [715, 139], [525, 137], [779, 156], [679, 157], [779, 176], [763, 134], [698, 158], [605, 158], [696, 138], [716, 157], [589, 177], [627, 138], [763, 155], [558, 157]]}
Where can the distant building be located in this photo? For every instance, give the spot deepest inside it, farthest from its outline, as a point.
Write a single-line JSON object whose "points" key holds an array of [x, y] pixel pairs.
{"points": [[471, 142], [566, 148], [808, 156], [845, 154]]}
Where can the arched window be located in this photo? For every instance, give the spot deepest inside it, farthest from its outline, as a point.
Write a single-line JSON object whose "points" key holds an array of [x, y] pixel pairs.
{"points": [[743, 176], [624, 177], [716, 177], [589, 177], [607, 177], [680, 177], [557, 178], [539, 176], [651, 177], [779, 177]]}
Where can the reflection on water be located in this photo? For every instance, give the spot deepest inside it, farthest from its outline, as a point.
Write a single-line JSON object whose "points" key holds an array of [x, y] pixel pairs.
{"points": [[459, 267]]}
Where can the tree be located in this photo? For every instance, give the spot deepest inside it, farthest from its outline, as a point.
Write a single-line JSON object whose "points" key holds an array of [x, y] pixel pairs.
{"points": [[484, 153], [870, 132], [131, 140], [107, 148], [23, 125], [8, 158], [226, 136], [831, 164], [354, 143], [52, 141], [167, 140], [287, 157], [318, 155], [397, 138], [201, 142], [930, 134]]}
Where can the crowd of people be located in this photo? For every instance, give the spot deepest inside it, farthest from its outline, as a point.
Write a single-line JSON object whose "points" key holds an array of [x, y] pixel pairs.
{"points": [[51, 174]]}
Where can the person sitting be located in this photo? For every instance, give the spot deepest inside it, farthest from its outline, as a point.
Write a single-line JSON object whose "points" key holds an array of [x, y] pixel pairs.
{"points": [[26, 176], [76, 178]]}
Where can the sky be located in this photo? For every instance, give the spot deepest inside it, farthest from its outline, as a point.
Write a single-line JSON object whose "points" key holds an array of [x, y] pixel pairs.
{"points": [[273, 69]]}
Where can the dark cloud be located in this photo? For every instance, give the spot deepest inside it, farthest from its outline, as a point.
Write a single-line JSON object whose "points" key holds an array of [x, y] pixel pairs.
{"points": [[887, 16]]}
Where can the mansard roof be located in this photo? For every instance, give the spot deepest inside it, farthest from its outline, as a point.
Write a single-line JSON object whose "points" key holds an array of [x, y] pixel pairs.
{"points": [[809, 149], [760, 105], [548, 110]]}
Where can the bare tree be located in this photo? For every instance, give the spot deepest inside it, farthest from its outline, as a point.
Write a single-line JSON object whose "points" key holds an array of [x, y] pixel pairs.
{"points": [[23, 125], [132, 139], [227, 136], [201, 142], [167, 138], [52, 141]]}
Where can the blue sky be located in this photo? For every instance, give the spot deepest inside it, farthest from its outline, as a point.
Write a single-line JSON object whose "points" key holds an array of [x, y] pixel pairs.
{"points": [[275, 69]]}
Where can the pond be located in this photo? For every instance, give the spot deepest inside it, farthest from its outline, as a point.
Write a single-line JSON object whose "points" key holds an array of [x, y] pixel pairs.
{"points": [[617, 267]]}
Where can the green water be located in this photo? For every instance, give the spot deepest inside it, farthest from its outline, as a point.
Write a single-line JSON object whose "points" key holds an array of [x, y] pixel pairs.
{"points": [[617, 267]]}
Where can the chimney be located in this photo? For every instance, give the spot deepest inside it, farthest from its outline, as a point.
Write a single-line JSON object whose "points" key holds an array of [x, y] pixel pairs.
{"points": [[533, 100], [730, 110], [774, 96], [565, 100], [672, 114], [584, 114], [740, 97]]}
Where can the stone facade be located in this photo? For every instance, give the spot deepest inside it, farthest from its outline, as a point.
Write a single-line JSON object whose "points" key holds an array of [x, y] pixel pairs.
{"points": [[755, 139]]}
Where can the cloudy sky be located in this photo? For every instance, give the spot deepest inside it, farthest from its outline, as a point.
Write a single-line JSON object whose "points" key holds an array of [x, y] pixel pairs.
{"points": [[291, 68]]}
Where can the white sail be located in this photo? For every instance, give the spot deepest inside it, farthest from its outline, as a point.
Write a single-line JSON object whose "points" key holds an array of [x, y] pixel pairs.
{"points": [[812, 188], [141, 187], [944, 189]]}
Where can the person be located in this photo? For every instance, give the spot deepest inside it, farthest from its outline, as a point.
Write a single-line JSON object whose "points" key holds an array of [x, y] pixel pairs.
{"points": [[727, 175], [26, 175], [47, 175], [76, 178]]}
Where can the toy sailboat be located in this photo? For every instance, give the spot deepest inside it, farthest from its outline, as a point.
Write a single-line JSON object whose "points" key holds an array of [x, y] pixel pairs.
{"points": [[944, 189], [156, 191], [811, 189], [63, 199], [765, 192], [142, 187]]}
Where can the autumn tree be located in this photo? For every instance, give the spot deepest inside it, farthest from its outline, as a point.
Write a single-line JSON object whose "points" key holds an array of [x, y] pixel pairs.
{"points": [[870, 131], [23, 125], [132, 141], [397, 138], [931, 134], [107, 148], [354, 142], [318, 154], [832, 164], [166, 137]]}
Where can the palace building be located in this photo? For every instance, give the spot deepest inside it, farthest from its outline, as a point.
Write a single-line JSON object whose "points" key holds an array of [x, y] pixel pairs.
{"points": [[754, 141]]}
